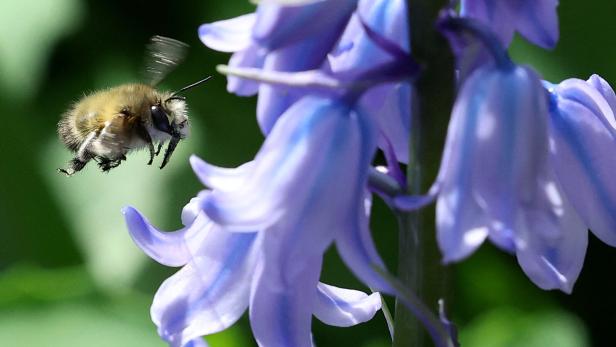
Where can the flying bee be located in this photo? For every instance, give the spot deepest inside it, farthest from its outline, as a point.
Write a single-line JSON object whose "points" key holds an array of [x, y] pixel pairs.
{"points": [[108, 124]]}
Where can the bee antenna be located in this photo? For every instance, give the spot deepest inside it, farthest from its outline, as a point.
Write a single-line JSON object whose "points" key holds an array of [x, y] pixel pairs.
{"points": [[173, 95]]}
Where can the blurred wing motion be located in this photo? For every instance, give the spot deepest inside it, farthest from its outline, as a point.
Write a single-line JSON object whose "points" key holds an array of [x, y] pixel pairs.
{"points": [[163, 55]]}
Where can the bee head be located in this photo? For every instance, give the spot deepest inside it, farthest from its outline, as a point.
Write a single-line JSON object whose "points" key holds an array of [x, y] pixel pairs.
{"points": [[170, 117]]}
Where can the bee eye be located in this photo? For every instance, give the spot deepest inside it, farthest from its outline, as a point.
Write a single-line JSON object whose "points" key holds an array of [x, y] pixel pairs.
{"points": [[159, 117]]}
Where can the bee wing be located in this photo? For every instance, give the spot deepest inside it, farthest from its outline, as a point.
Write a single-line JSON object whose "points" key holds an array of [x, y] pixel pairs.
{"points": [[162, 56]]}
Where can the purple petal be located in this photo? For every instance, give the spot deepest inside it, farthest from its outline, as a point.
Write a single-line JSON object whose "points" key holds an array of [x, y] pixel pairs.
{"points": [[231, 35], [489, 169], [585, 165], [315, 138], [590, 97], [605, 89], [285, 294], [500, 16], [552, 246], [279, 26], [471, 51], [460, 218], [191, 211], [512, 151], [344, 307], [462, 224], [167, 248], [390, 107], [284, 288], [211, 292], [358, 251], [356, 51], [537, 21], [251, 57], [291, 41], [298, 39], [283, 297], [274, 101], [218, 178]]}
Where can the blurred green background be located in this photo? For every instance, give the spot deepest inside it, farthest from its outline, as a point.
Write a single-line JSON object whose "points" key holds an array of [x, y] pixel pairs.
{"points": [[71, 276]]}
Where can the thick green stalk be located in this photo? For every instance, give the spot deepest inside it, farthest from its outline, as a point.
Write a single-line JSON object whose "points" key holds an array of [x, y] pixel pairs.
{"points": [[419, 266]]}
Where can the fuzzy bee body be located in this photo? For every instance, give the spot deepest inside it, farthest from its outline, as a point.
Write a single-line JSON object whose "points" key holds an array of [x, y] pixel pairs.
{"points": [[106, 125]]}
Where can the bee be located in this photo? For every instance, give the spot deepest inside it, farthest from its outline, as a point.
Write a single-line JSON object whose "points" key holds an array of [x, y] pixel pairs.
{"points": [[106, 125]]}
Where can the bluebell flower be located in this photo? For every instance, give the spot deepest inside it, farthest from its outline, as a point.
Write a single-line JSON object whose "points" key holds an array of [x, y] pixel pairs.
{"points": [[278, 38], [257, 239], [536, 20], [306, 188], [583, 136], [496, 181], [389, 104], [213, 288]]}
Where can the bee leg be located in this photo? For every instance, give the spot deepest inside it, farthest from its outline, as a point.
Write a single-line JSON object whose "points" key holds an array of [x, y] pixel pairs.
{"points": [[145, 136], [74, 165], [82, 157], [160, 146], [152, 153], [103, 164], [106, 164], [170, 148]]}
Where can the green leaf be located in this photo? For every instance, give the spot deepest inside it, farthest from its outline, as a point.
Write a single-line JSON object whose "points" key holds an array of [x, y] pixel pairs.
{"points": [[24, 283], [514, 328]]}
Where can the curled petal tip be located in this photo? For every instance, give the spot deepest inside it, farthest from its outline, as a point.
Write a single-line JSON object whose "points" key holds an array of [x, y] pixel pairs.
{"points": [[167, 248], [567, 288], [132, 216], [231, 35], [127, 209], [195, 161], [345, 307], [198, 165]]}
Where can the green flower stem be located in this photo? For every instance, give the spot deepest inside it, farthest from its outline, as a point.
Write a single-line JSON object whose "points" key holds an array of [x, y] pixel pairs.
{"points": [[419, 266]]}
